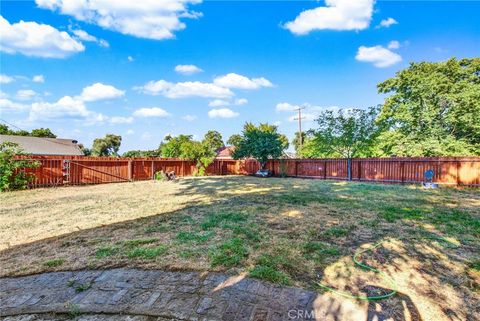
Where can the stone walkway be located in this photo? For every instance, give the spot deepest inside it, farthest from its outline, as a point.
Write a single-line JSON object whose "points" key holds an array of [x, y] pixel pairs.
{"points": [[167, 295]]}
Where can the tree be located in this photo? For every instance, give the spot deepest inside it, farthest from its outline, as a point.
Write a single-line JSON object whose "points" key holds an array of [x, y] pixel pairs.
{"points": [[12, 167], [39, 132], [107, 146], [213, 139], [347, 133], [43, 132], [142, 153], [433, 110], [234, 140], [201, 152], [86, 151], [172, 147], [261, 142]]}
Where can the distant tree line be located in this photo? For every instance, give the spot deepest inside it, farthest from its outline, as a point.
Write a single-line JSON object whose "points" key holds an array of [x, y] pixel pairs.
{"points": [[39, 132]]}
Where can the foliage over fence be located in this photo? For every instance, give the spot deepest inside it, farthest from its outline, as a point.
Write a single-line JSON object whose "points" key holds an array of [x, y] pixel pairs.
{"points": [[67, 170]]}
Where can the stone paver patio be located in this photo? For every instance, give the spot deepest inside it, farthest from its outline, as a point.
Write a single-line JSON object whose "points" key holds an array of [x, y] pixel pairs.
{"points": [[170, 295]]}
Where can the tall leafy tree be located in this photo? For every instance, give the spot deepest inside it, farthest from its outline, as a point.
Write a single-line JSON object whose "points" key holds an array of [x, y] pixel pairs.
{"points": [[261, 142], [172, 146], [107, 146], [214, 140], [43, 132], [345, 133], [201, 152], [234, 140], [433, 110]]}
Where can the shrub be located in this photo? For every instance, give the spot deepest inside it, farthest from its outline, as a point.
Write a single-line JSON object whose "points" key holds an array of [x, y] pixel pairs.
{"points": [[12, 174]]}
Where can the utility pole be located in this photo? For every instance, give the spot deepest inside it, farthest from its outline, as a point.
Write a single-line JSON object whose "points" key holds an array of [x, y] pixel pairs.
{"points": [[299, 109]]}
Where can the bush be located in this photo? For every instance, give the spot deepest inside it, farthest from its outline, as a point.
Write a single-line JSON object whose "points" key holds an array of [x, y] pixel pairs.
{"points": [[12, 169]]}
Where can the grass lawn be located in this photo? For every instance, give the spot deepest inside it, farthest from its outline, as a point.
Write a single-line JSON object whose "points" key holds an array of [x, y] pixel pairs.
{"points": [[285, 231]]}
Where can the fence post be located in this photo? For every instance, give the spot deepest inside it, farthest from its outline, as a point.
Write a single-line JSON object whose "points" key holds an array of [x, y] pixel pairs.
{"points": [[458, 173], [359, 170], [325, 170], [153, 171], [349, 169], [296, 167], [402, 171], [130, 170]]}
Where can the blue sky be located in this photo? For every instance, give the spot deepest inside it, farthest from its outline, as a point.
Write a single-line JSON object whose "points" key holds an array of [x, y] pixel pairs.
{"points": [[110, 66]]}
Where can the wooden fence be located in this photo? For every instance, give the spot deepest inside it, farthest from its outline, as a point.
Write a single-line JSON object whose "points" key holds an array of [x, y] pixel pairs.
{"points": [[77, 170]]}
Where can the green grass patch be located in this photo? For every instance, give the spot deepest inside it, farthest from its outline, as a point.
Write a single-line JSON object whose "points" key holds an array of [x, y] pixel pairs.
{"points": [[191, 253], [215, 219], [106, 251], [198, 237], [335, 231], [320, 251], [475, 265], [394, 213], [229, 253], [54, 262], [147, 252], [271, 274]]}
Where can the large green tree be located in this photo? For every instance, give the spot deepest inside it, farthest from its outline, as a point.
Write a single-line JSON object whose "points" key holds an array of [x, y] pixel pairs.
{"points": [[12, 167], [107, 146], [345, 133], [172, 145], [214, 140], [42, 132], [433, 110], [201, 152], [261, 142]]}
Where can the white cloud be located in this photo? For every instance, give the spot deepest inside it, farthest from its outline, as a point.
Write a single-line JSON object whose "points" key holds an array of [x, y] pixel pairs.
{"points": [[38, 78], [3, 94], [387, 23], [189, 117], [394, 44], [39, 40], [220, 102], [286, 107], [141, 18], [187, 69], [233, 80], [150, 112], [66, 106], [8, 105], [99, 91], [83, 35], [241, 101], [222, 113], [336, 15], [185, 89], [25, 94], [4, 79], [380, 57], [120, 120], [130, 59], [130, 132]]}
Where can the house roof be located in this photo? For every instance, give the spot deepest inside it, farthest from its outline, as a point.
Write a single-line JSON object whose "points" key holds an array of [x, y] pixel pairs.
{"points": [[44, 146], [225, 152]]}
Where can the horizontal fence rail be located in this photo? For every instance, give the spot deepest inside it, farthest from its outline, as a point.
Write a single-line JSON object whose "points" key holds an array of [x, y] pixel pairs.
{"points": [[78, 170]]}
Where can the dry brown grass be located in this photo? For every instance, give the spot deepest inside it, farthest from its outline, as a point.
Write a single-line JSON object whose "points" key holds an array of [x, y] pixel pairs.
{"points": [[282, 230]]}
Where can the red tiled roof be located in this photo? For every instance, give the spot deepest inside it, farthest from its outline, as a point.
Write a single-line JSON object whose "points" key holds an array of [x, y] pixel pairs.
{"points": [[225, 152]]}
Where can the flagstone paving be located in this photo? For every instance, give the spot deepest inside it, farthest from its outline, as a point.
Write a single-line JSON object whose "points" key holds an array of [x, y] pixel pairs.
{"points": [[144, 294]]}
